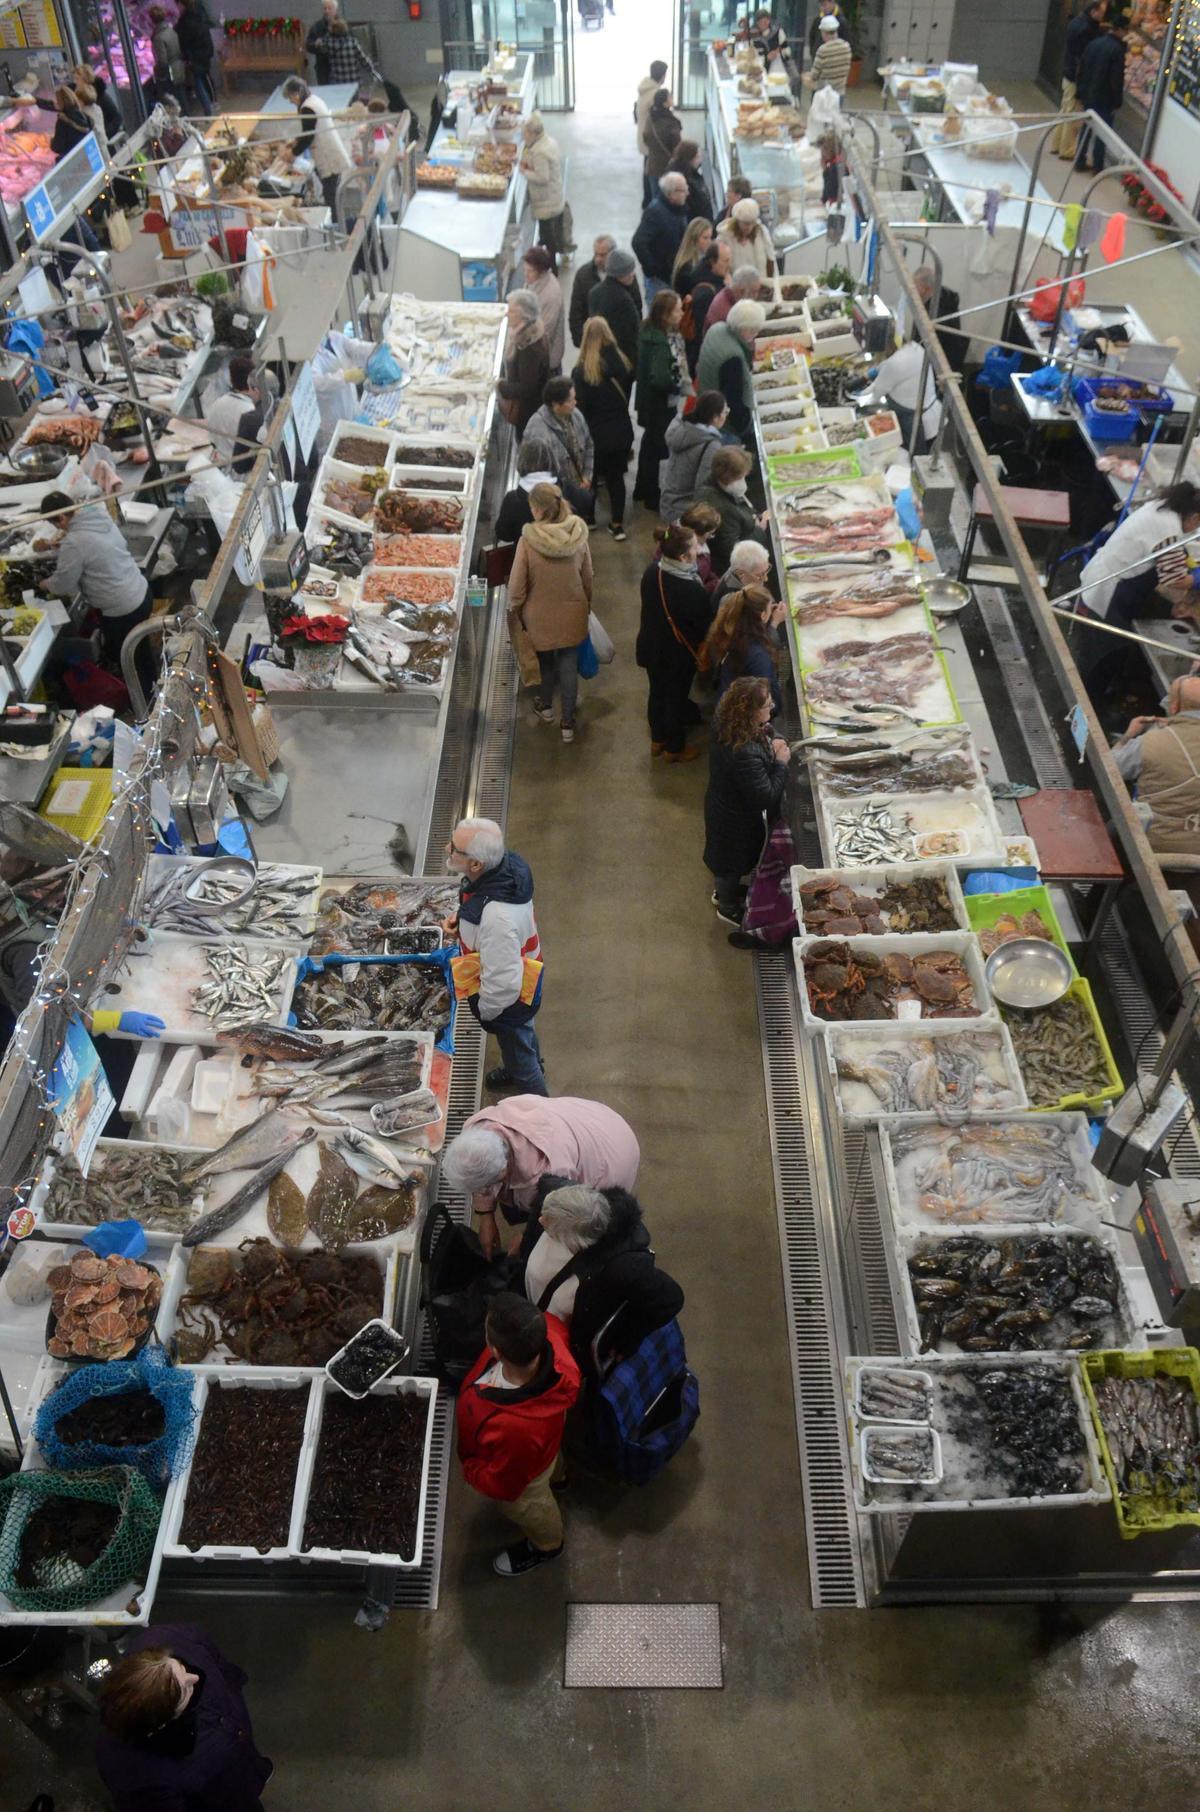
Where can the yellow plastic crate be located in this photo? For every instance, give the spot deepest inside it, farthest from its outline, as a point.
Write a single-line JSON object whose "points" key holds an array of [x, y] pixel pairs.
{"points": [[983, 909], [79, 800], [1139, 1515], [1079, 990]]}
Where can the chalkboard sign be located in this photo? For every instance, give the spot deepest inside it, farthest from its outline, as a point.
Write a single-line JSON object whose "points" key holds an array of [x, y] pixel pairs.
{"points": [[1184, 84]]}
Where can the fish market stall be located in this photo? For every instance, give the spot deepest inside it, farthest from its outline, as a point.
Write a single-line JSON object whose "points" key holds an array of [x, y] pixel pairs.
{"points": [[967, 1300]]}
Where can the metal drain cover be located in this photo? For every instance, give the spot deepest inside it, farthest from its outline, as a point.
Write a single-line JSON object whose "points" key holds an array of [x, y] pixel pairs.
{"points": [[659, 1645]]}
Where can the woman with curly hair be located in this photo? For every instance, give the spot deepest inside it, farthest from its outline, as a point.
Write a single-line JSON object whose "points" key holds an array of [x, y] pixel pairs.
{"points": [[742, 643], [747, 774]]}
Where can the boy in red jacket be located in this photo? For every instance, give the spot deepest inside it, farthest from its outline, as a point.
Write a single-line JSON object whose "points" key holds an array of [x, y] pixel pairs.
{"points": [[511, 1412]]}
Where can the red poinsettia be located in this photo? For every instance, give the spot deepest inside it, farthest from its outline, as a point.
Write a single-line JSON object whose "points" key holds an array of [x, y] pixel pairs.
{"points": [[314, 629]]}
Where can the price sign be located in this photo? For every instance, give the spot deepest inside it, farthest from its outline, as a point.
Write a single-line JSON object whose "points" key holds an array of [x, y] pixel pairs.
{"points": [[39, 25], [52, 201], [79, 1095], [305, 413], [253, 540]]}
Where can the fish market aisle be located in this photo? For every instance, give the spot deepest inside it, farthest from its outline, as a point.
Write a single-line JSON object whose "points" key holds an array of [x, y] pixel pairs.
{"points": [[648, 1009]]}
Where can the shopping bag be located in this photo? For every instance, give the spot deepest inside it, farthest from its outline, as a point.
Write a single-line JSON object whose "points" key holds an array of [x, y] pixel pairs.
{"points": [[119, 236], [825, 112], [645, 1409], [770, 912], [600, 639], [588, 665], [523, 648]]}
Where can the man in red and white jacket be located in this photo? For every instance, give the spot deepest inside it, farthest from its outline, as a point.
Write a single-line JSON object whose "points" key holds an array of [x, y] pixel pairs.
{"points": [[511, 1412], [499, 974]]}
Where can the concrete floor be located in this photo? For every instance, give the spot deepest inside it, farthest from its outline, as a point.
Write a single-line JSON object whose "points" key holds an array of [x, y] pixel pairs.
{"points": [[648, 1009]]}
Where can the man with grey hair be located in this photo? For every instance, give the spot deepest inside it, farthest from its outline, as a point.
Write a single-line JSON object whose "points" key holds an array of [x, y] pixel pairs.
{"points": [[955, 345], [749, 564], [745, 285], [660, 232], [499, 973], [586, 279], [330, 155]]}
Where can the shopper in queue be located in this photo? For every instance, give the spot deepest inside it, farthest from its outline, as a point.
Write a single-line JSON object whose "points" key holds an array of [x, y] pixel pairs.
{"points": [[691, 440], [675, 617], [320, 136], [647, 88], [743, 642], [703, 521], [745, 285], [736, 189], [504, 1152], [663, 135], [663, 381], [195, 29], [586, 278], [541, 165], [169, 68], [1160, 756], [831, 65], [570, 452], [687, 161], [828, 9], [526, 360], [499, 973], [175, 1731], [726, 359], [1085, 26], [749, 564], [348, 61], [542, 280], [550, 589], [748, 768], [586, 1258], [748, 242], [709, 279], [660, 232], [692, 247], [71, 125], [617, 299], [532, 470], [511, 1414], [95, 562], [603, 379], [1100, 86], [726, 491]]}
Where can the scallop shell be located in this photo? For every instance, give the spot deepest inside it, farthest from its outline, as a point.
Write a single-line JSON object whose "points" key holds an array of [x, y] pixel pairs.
{"points": [[78, 1294], [59, 1279], [80, 1343], [131, 1276], [108, 1325], [87, 1269], [108, 1291], [60, 1349]]}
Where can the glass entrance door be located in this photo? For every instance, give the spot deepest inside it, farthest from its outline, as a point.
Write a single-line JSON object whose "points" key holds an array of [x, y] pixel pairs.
{"points": [[543, 27]]}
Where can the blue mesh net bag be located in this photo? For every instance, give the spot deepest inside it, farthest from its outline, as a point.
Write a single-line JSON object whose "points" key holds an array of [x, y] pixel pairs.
{"points": [[72, 1421]]}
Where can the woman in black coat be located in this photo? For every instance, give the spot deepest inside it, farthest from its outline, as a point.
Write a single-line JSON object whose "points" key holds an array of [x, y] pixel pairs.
{"points": [[676, 612], [515, 508], [587, 1258], [603, 380], [526, 360], [175, 1731], [746, 777], [687, 160]]}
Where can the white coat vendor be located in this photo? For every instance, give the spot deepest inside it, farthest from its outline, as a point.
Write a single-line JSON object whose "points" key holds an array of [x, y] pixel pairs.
{"points": [[899, 379], [94, 562], [1121, 582]]}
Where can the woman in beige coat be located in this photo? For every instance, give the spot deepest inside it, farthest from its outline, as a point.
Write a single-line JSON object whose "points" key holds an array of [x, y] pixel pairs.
{"points": [[550, 588]]}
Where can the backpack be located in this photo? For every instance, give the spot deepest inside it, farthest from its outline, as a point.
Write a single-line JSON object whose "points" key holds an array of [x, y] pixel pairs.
{"points": [[645, 1409], [458, 1282]]}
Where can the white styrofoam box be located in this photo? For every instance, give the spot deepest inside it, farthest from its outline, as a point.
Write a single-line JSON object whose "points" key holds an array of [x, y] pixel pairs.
{"points": [[323, 1389], [875, 1433], [175, 1288], [874, 880], [233, 1378], [912, 1241], [956, 740], [408, 438], [858, 1369], [332, 468], [1079, 1205], [157, 1237], [860, 1106], [962, 944], [357, 431], [23, 1325], [782, 437], [409, 478], [967, 819], [943, 1371], [160, 980], [832, 336]]}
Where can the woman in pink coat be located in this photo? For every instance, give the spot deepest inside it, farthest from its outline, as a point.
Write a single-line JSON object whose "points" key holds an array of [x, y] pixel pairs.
{"points": [[503, 1153]]}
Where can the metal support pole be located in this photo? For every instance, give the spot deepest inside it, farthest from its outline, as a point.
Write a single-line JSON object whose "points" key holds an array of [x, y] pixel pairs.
{"points": [[1051, 129], [45, 256], [127, 51], [226, 254], [1179, 1036], [162, 626]]}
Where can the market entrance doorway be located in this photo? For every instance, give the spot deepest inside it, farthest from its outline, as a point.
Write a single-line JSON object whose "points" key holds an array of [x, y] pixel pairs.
{"points": [[587, 62]]}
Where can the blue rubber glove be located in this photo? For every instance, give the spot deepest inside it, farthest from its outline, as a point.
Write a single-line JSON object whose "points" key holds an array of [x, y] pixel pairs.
{"points": [[142, 1025]]}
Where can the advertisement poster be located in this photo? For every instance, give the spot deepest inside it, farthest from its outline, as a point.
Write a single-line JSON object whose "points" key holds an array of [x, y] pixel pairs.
{"points": [[79, 1095]]}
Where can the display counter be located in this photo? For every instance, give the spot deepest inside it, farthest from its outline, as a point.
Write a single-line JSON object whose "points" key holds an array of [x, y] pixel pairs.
{"points": [[784, 169]]}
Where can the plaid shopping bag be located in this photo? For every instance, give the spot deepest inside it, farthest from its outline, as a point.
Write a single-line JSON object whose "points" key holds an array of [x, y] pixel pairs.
{"points": [[646, 1408]]}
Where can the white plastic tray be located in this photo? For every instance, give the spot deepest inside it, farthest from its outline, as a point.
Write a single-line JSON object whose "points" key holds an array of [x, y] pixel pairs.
{"points": [[393, 1386], [971, 815], [332, 468], [160, 981], [864, 1369], [1081, 1207], [960, 943], [240, 1378], [874, 880], [363, 430], [159, 867], [75, 1230], [899, 1500], [925, 744], [857, 1104], [875, 1431]]}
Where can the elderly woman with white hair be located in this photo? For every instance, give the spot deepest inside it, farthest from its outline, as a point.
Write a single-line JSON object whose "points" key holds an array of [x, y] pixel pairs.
{"points": [[748, 242], [749, 564], [503, 1153], [588, 1260], [541, 165], [526, 360]]}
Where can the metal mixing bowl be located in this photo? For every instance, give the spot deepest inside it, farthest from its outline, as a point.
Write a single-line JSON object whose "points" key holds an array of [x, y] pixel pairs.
{"points": [[1028, 972], [945, 596]]}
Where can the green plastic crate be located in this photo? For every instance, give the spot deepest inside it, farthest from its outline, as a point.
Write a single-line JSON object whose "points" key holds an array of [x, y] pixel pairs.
{"points": [[1139, 1515], [983, 909], [939, 657], [1079, 990], [787, 469]]}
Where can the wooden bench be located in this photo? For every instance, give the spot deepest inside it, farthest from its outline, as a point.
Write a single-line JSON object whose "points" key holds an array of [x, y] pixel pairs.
{"points": [[262, 55]]}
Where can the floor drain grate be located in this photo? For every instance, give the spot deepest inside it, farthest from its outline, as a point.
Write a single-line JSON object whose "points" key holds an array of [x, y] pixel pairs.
{"points": [[644, 1645]]}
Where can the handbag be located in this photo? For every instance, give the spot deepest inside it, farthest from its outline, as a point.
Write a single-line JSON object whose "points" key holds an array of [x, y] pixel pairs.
{"points": [[600, 639], [645, 1409], [770, 910], [458, 1283], [699, 655], [522, 644], [119, 236]]}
